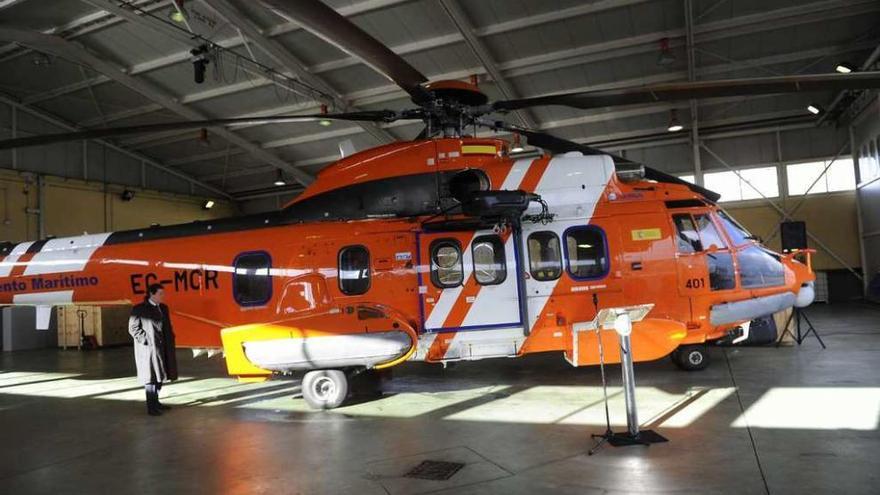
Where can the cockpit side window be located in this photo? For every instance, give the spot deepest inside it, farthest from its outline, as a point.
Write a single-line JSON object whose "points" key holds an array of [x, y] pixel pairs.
{"points": [[687, 238], [708, 233]]}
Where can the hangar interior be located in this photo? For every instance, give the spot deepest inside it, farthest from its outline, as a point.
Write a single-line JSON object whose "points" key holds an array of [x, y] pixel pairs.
{"points": [[759, 420]]}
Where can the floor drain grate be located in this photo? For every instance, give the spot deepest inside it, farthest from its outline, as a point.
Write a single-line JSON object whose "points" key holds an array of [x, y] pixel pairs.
{"points": [[434, 470]]}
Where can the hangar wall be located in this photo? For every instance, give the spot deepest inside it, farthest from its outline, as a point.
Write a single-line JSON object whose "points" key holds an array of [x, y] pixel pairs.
{"points": [[74, 206], [866, 139]]}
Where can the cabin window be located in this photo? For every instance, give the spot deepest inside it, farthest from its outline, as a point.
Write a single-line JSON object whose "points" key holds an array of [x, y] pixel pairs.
{"points": [[545, 256], [585, 252], [488, 256], [354, 270], [251, 281], [447, 269]]}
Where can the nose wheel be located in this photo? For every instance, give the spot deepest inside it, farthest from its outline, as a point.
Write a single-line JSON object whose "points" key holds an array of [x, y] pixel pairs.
{"points": [[693, 357]]}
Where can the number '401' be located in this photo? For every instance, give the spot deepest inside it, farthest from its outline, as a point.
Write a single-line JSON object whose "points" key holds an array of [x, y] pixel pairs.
{"points": [[695, 283]]}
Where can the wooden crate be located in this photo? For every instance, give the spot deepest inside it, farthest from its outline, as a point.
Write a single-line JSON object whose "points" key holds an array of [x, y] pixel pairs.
{"points": [[107, 324]]}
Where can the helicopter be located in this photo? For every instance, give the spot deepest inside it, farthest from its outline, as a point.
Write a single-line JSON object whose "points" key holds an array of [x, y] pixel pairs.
{"points": [[445, 248]]}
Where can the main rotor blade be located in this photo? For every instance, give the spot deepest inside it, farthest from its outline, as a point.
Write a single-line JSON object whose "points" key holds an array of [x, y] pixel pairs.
{"points": [[698, 89], [44, 139], [555, 144], [324, 22]]}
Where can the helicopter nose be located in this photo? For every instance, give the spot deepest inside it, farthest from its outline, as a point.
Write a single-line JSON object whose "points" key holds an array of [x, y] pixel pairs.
{"points": [[806, 295]]}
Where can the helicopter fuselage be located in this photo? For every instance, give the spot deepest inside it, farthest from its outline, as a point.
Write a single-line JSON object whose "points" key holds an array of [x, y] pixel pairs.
{"points": [[374, 265]]}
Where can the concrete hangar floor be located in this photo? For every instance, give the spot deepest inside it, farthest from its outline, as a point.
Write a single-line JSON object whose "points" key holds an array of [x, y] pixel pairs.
{"points": [[759, 420]]}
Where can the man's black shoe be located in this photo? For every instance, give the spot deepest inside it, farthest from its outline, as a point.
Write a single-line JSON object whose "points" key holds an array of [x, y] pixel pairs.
{"points": [[163, 407], [154, 412]]}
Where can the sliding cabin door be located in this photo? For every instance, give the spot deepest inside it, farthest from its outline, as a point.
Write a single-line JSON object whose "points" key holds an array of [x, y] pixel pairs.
{"points": [[468, 281]]}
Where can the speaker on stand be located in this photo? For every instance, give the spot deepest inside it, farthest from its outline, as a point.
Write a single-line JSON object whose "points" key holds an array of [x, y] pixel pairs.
{"points": [[794, 237]]}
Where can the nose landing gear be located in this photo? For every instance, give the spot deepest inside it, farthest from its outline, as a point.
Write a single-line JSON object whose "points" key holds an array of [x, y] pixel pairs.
{"points": [[692, 357]]}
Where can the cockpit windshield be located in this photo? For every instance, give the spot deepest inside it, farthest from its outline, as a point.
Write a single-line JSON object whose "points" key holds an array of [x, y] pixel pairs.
{"points": [[738, 234]]}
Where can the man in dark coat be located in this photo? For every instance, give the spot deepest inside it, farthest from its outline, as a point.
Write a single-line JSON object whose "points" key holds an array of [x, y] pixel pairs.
{"points": [[150, 327]]}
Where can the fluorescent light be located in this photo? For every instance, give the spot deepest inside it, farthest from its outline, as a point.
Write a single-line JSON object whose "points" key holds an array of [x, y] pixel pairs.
{"points": [[674, 124], [517, 149], [279, 179], [209, 204], [843, 68], [325, 122], [813, 109], [585, 246]]}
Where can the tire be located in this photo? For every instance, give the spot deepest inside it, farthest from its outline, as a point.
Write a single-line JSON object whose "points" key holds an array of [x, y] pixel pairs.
{"points": [[692, 357], [325, 389]]}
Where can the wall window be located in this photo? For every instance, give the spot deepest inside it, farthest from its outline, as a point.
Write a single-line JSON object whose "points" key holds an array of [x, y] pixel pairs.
{"points": [[690, 178], [545, 256], [251, 281], [354, 270], [488, 255], [733, 187], [840, 176], [585, 251], [447, 269]]}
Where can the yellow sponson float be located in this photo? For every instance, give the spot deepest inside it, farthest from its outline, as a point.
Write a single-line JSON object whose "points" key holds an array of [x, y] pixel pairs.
{"points": [[361, 336]]}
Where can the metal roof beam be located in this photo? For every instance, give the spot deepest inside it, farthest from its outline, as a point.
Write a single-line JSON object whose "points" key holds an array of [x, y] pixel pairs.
{"points": [[552, 60], [63, 124], [184, 55], [80, 26], [286, 59], [598, 51], [392, 92], [361, 8], [460, 19], [77, 54]]}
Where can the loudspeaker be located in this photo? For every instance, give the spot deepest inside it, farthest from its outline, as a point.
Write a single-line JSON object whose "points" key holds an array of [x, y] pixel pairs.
{"points": [[794, 235]]}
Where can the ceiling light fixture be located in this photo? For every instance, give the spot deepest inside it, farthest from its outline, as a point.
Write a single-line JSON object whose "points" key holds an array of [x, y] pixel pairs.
{"points": [[279, 179], [666, 56], [517, 144], [844, 68], [208, 204], [324, 122], [177, 13], [674, 124], [813, 109]]}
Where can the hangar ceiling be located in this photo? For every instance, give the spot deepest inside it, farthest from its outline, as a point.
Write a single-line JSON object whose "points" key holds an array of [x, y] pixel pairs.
{"points": [[131, 64]]}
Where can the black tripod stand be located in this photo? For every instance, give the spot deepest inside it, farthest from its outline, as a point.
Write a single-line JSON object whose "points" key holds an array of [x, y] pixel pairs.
{"points": [[797, 314]]}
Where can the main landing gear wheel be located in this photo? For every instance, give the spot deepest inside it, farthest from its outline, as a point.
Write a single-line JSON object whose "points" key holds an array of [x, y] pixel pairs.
{"points": [[325, 389], [692, 357]]}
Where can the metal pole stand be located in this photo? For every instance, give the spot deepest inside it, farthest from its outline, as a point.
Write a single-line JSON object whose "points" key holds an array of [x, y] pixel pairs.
{"points": [[633, 436]]}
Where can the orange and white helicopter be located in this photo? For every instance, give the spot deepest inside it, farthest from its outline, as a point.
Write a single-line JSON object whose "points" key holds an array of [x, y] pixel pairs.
{"points": [[440, 249]]}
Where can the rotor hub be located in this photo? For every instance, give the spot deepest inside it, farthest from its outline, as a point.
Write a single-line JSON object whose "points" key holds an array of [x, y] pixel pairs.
{"points": [[459, 92]]}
